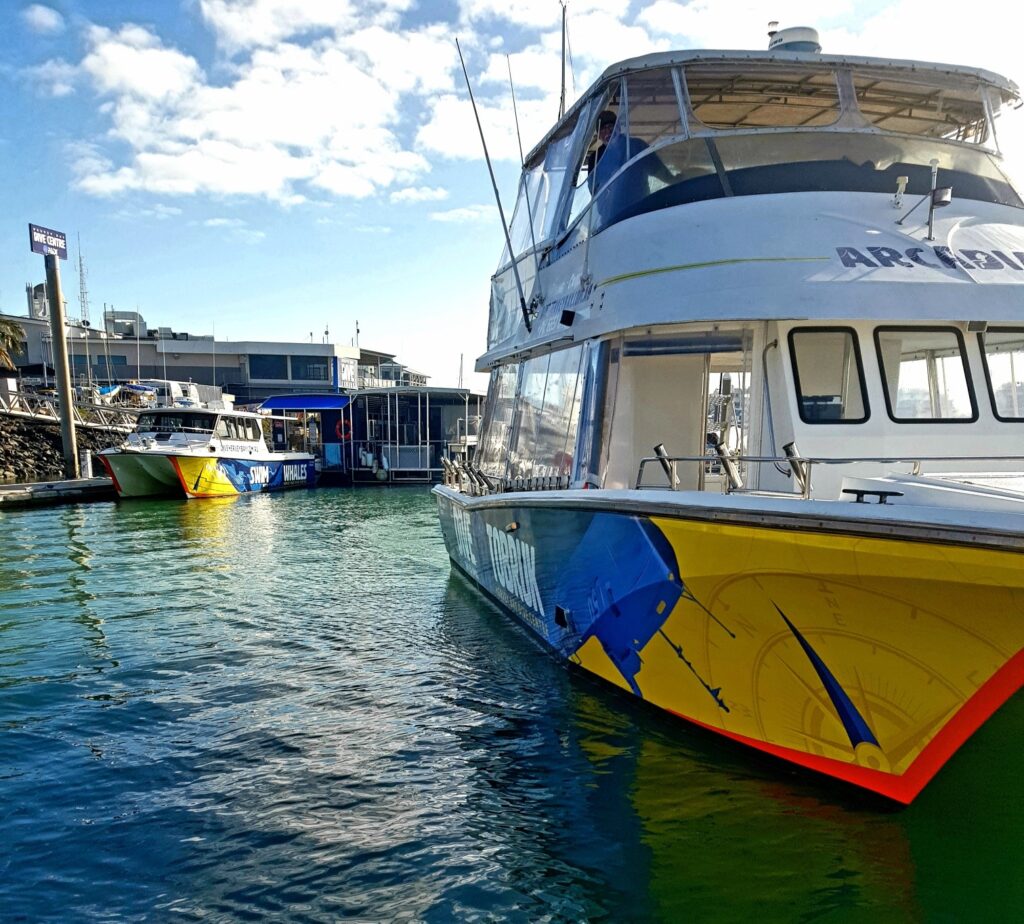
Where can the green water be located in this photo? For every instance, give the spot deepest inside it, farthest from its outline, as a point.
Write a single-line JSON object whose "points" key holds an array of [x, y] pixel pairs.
{"points": [[286, 707]]}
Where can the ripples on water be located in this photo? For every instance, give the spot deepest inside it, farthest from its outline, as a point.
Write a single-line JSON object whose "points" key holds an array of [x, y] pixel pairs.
{"points": [[285, 706]]}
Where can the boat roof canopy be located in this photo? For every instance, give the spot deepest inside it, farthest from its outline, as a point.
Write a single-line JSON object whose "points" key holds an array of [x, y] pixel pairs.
{"points": [[723, 77]]}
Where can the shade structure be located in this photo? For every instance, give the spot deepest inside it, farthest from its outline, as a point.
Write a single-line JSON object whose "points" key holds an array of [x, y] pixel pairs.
{"points": [[305, 403]]}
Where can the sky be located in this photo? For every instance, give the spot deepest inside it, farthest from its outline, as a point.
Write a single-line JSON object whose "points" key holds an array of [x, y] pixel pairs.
{"points": [[275, 169]]}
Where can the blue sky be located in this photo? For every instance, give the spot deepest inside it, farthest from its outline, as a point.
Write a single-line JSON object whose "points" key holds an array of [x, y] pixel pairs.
{"points": [[268, 168]]}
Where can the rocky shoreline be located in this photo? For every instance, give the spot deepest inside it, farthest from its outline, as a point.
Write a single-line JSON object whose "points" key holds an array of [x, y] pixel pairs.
{"points": [[30, 450]]}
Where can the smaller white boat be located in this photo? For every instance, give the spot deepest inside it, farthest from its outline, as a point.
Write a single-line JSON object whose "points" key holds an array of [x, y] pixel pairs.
{"points": [[197, 452]]}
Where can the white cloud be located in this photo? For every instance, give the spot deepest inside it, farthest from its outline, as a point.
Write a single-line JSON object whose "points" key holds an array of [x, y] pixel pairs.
{"points": [[241, 24], [372, 229], [53, 78], [419, 194], [325, 116], [158, 212], [236, 229], [42, 20], [539, 14], [467, 214], [133, 62]]}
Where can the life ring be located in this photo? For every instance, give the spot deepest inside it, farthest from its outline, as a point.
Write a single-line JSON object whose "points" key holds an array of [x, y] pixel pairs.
{"points": [[343, 429]]}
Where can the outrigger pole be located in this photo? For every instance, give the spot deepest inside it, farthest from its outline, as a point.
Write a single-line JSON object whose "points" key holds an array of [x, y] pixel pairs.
{"points": [[497, 198], [526, 184], [561, 104]]}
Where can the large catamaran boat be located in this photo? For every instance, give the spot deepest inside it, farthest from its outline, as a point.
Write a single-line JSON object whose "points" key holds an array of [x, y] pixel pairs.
{"points": [[200, 452], [753, 448]]}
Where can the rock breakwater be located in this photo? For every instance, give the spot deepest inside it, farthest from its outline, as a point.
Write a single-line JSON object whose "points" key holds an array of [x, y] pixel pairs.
{"points": [[30, 450]]}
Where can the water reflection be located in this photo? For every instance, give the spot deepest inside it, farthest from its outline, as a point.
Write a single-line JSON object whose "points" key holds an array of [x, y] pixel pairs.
{"points": [[285, 706]]}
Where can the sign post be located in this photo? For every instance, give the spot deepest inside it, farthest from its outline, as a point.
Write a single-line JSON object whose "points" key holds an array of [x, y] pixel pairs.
{"points": [[53, 246]]}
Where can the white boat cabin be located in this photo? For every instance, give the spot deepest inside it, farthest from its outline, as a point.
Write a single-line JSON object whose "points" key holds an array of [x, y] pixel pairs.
{"points": [[748, 260], [196, 428]]}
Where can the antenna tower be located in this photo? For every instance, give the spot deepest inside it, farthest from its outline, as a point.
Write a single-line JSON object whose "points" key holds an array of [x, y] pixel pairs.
{"points": [[83, 291]]}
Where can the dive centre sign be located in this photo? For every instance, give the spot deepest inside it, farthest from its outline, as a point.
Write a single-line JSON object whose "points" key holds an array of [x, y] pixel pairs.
{"points": [[47, 241]]}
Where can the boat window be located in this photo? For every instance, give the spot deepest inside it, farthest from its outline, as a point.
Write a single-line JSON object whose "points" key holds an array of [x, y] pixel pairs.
{"points": [[492, 450], [601, 128], [522, 231], [781, 162], [1003, 349], [925, 374], [547, 413], [222, 428], [654, 110], [634, 117], [255, 431], [829, 375], [761, 95], [540, 190], [895, 103], [175, 423]]}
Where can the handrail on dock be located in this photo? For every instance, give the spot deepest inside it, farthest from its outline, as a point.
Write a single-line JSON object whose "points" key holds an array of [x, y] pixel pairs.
{"points": [[86, 414]]}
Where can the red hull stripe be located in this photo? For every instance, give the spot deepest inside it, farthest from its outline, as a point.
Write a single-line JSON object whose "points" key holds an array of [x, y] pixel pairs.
{"points": [[181, 478], [989, 697], [110, 472]]}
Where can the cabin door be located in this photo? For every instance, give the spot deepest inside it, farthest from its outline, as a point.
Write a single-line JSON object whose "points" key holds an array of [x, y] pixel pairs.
{"points": [[659, 398]]}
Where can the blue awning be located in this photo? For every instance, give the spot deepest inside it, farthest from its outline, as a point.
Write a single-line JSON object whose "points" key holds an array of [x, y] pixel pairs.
{"points": [[305, 403]]}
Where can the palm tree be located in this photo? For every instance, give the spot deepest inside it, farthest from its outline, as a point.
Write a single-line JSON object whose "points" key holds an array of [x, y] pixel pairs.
{"points": [[11, 336]]}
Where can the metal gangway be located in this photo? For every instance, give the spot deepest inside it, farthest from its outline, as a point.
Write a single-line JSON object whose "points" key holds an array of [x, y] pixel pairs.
{"points": [[47, 408]]}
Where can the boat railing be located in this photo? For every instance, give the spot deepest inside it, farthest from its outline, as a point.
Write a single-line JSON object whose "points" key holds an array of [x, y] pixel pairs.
{"points": [[800, 467]]}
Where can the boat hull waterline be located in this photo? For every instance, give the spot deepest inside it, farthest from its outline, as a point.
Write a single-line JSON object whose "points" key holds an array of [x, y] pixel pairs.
{"points": [[868, 659], [146, 474]]}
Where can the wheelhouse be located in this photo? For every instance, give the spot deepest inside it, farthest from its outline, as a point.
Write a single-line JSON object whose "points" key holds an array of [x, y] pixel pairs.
{"points": [[167, 422]]}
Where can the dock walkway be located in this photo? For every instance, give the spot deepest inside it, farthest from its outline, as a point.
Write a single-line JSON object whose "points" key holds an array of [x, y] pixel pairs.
{"points": [[43, 493]]}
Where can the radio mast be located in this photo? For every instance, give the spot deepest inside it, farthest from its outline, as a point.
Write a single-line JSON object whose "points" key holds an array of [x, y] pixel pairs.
{"points": [[83, 291]]}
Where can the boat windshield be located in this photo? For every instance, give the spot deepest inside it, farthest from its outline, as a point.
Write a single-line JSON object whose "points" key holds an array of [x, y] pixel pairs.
{"points": [[175, 423], [758, 164], [711, 130]]}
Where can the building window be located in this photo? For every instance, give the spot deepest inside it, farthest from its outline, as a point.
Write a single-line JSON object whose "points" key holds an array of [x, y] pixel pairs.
{"points": [[268, 366], [310, 368]]}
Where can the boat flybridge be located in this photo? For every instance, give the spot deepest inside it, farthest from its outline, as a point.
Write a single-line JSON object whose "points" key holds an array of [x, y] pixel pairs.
{"points": [[200, 452], [753, 447]]}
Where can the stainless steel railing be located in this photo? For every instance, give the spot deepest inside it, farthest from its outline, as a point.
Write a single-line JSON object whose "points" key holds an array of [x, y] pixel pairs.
{"points": [[802, 467]]}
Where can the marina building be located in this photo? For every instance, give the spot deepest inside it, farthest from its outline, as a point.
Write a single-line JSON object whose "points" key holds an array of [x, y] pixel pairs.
{"points": [[126, 348]]}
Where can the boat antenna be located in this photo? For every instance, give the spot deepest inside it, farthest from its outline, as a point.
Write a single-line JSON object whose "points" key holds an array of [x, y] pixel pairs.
{"points": [[497, 197], [522, 162], [561, 103]]}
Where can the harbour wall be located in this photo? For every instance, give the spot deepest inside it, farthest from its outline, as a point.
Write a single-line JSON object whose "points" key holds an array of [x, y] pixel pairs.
{"points": [[30, 450]]}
